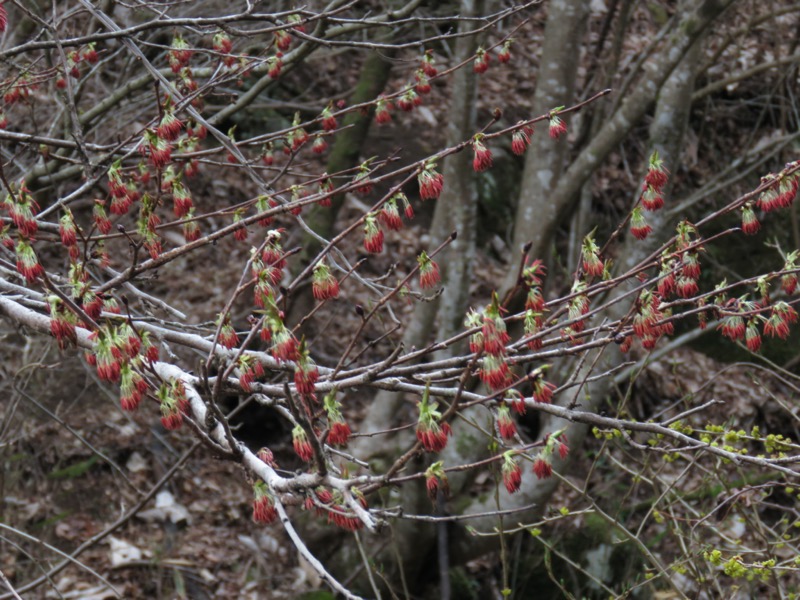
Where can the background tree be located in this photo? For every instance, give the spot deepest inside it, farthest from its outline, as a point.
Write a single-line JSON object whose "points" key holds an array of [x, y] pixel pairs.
{"points": [[265, 231]]}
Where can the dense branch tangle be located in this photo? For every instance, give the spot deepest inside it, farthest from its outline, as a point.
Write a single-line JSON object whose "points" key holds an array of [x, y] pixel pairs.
{"points": [[83, 156]]}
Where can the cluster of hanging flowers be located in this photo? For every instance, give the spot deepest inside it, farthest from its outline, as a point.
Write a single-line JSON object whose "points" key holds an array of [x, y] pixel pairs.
{"points": [[652, 197], [649, 322], [174, 403], [120, 354], [535, 307], [264, 511], [555, 444], [492, 341], [324, 285], [431, 431], [556, 126], [338, 430], [577, 310], [428, 271], [436, 480]]}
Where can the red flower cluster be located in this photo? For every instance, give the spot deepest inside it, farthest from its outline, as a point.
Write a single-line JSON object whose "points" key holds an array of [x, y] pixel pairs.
{"points": [[430, 182], [556, 127], [435, 480], [493, 338], [174, 403], [301, 444], [504, 54], [324, 284], [521, 139], [341, 517], [390, 215], [590, 253], [780, 193], [305, 372], [483, 156], [481, 63], [512, 473], [639, 226], [373, 235], [250, 369], [431, 432], [428, 272], [652, 198], [750, 224], [505, 423], [382, 111], [264, 511]]}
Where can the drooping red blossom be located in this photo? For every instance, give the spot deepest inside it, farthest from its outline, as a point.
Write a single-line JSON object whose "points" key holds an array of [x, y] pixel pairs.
{"points": [[505, 423], [431, 432], [752, 336], [62, 321], [430, 182], [132, 387], [482, 159], [512, 473], [169, 127], [173, 400], [556, 127], [282, 39], [301, 444], [690, 265], [305, 372], [590, 253], [640, 229], [320, 145], [340, 433], [409, 100], [264, 511], [428, 272], [266, 456], [687, 287], [382, 111], [789, 280], [222, 43], [427, 64], [750, 224], [179, 54], [652, 199], [390, 215], [422, 86], [493, 329], [481, 63], [494, 371], [436, 480], [504, 54], [733, 327], [28, 264], [542, 467], [373, 235], [521, 139], [190, 228], [542, 390], [656, 173], [324, 284], [275, 65], [250, 369], [228, 337], [533, 324], [284, 344]]}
